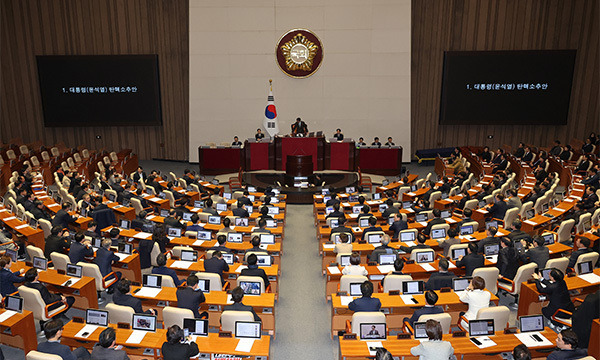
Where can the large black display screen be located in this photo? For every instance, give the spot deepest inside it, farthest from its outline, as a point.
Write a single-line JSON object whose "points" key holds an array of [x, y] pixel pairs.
{"points": [[506, 87], [100, 90]]}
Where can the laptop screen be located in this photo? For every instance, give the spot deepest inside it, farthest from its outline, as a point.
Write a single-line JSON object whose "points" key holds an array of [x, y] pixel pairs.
{"points": [[491, 249], [584, 267], [111, 197], [548, 238], [356, 209], [350, 189], [241, 221], [325, 191], [164, 213], [334, 223], [228, 257], [530, 213], [371, 331], [406, 204], [96, 242], [187, 216], [189, 255], [204, 285], [328, 210], [14, 303], [12, 254], [249, 209], [466, 230], [96, 317], [412, 287], [445, 214], [267, 239], [204, 235], [545, 207], [387, 259], [363, 222], [215, 220], [251, 189], [125, 248], [407, 236], [413, 188], [456, 253], [234, 237], [355, 289], [489, 224], [271, 223], [40, 263], [227, 196], [74, 270], [481, 327], [198, 204], [33, 223], [144, 322], [377, 196], [482, 203], [174, 232], [250, 287], [125, 203], [353, 198], [382, 207], [344, 260], [460, 284], [248, 329], [221, 207], [153, 281], [531, 323], [421, 217], [198, 327], [425, 257], [124, 224], [546, 274], [438, 233], [374, 238], [263, 260], [420, 332]]}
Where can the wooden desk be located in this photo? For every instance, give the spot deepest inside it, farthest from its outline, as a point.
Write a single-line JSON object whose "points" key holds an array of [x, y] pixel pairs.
{"points": [[357, 349], [33, 236], [594, 345], [217, 345], [396, 310], [529, 302], [19, 331], [396, 184]]}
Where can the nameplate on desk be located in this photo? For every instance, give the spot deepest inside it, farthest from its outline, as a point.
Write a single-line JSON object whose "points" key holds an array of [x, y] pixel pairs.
{"points": [[459, 334], [225, 334], [350, 337]]}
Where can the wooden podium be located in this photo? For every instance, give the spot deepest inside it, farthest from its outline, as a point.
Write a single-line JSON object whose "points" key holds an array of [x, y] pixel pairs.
{"points": [[299, 165]]}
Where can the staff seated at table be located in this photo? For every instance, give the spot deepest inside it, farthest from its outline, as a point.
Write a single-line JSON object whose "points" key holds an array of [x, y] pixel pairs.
{"points": [[471, 261], [107, 348], [431, 299], [355, 268], [237, 295], [123, 297], [435, 348], [567, 344], [442, 278], [437, 220], [53, 331], [366, 302], [557, 291]]}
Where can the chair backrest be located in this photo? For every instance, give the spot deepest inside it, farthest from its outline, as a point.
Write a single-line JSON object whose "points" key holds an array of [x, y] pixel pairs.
{"points": [[93, 271], [510, 216], [444, 319], [33, 302], [77, 157], [228, 319], [46, 227], [436, 195], [36, 355], [488, 199], [338, 257], [215, 280], [456, 246], [60, 260], [539, 203], [174, 316], [110, 192], [55, 151], [10, 154], [490, 275], [172, 177], [394, 282], [248, 253], [34, 251], [346, 280], [203, 216], [524, 209], [558, 263], [402, 190], [415, 252], [499, 314], [366, 317], [591, 256], [137, 205], [471, 204], [176, 251], [475, 225], [155, 252], [113, 156], [45, 156], [440, 226], [523, 274], [596, 215], [583, 219], [191, 234], [169, 196], [414, 231], [167, 281], [119, 313], [35, 161], [564, 230], [253, 279]]}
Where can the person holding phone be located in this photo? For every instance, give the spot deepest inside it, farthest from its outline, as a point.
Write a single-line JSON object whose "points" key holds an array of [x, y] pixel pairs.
{"points": [[177, 346]]}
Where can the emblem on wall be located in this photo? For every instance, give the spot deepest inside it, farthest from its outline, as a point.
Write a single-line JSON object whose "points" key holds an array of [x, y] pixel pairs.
{"points": [[299, 53]]}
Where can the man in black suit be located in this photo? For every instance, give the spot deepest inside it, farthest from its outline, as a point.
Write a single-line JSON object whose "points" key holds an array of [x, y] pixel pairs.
{"points": [[334, 200], [442, 278], [527, 155], [105, 259], [342, 227], [240, 211], [21, 195], [80, 249], [237, 295], [467, 213], [583, 247], [485, 155], [254, 270], [216, 265], [366, 302], [221, 244], [138, 195], [31, 281], [299, 128], [502, 164], [567, 344], [589, 199], [490, 239], [190, 297], [29, 201], [140, 220], [594, 177], [244, 199], [471, 261], [431, 299], [538, 254], [437, 219], [39, 212], [62, 217], [520, 151], [384, 248], [556, 149], [173, 220], [208, 208], [139, 175], [540, 173], [398, 225], [57, 241], [583, 317], [373, 227], [584, 164], [498, 209], [420, 244], [53, 331], [124, 298], [336, 213], [391, 209], [376, 142], [162, 269]]}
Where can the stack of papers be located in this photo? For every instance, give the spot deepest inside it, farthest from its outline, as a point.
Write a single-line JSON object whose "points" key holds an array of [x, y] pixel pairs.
{"points": [[245, 345], [155, 199], [148, 292], [142, 235], [136, 337], [122, 256], [528, 340], [427, 267], [229, 299], [181, 264], [485, 342], [591, 278], [492, 258], [407, 299], [345, 300], [423, 223], [150, 217], [73, 280], [530, 222], [334, 270], [7, 314], [384, 269], [9, 218], [89, 329], [328, 246]]}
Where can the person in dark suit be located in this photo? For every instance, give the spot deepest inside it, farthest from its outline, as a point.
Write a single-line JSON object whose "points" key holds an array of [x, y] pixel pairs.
{"points": [[384, 248], [498, 209], [583, 317], [342, 227], [437, 219], [162, 269], [62, 217], [221, 245], [451, 240], [471, 261], [583, 247], [80, 249], [538, 254], [57, 241], [254, 270], [237, 295], [366, 302], [502, 165], [527, 155], [485, 155], [338, 135], [259, 135], [490, 239], [373, 227], [8, 278], [124, 298], [262, 227], [299, 128], [240, 211], [589, 199], [558, 294], [53, 332], [177, 347], [28, 202], [173, 220], [521, 150], [431, 299], [516, 234], [584, 164], [195, 224], [216, 265], [208, 207], [31, 281], [391, 209], [334, 200], [106, 348], [556, 149], [244, 198], [376, 142], [365, 212], [398, 225], [440, 279], [190, 297], [467, 213], [336, 213], [145, 247], [421, 239], [39, 212], [568, 347], [508, 259], [105, 259]]}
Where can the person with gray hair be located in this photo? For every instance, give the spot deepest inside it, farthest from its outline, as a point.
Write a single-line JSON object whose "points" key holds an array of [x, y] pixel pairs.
{"points": [[384, 248]]}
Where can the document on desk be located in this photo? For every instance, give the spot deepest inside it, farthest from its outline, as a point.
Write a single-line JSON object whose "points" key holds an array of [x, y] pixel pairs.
{"points": [[333, 270], [73, 280], [155, 199], [427, 267], [89, 329], [410, 243], [492, 258], [422, 223], [21, 226], [148, 292], [136, 337], [150, 217], [122, 256], [353, 216], [198, 243], [244, 345], [9, 218], [142, 235], [229, 299], [533, 223], [328, 246], [384, 269], [450, 220], [407, 299], [485, 342], [181, 264], [356, 229], [591, 278], [240, 268], [528, 340], [6, 315], [373, 345], [410, 193], [346, 204], [451, 265], [345, 300]]}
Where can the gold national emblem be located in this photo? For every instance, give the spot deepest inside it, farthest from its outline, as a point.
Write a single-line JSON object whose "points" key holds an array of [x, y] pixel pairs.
{"points": [[299, 53]]}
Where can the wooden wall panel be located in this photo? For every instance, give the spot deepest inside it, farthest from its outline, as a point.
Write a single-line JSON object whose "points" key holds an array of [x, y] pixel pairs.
{"points": [[468, 25], [95, 27]]}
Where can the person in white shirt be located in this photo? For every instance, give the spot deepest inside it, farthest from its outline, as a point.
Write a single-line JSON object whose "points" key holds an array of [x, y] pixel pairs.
{"points": [[344, 247], [435, 348], [355, 268], [477, 298]]}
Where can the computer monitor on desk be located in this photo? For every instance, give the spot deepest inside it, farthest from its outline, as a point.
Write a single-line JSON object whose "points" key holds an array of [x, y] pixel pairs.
{"points": [[373, 331], [481, 327], [144, 322]]}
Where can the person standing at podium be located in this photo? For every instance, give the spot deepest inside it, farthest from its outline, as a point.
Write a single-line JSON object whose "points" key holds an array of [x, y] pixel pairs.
{"points": [[299, 128], [338, 135]]}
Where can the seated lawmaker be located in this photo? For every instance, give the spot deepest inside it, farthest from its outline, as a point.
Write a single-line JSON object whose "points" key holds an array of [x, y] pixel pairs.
{"points": [[123, 297], [336, 213], [472, 260], [539, 254], [431, 299], [421, 239], [338, 135], [32, 281], [107, 348], [384, 248], [240, 211], [437, 219], [8, 277], [237, 295], [344, 246], [190, 297], [216, 265], [583, 247], [162, 269], [490, 239], [53, 331], [341, 228], [498, 209], [567, 344], [355, 268], [442, 278], [476, 297], [80, 249], [398, 225], [254, 270], [435, 348], [557, 291], [373, 227], [451, 240], [366, 302], [177, 346]]}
